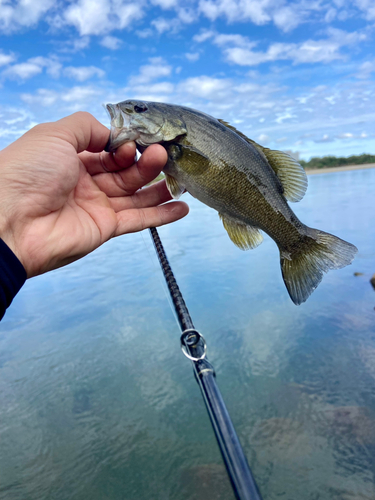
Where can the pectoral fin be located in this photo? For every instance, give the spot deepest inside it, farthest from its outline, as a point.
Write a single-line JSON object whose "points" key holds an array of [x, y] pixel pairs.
{"points": [[174, 187], [242, 235], [194, 161]]}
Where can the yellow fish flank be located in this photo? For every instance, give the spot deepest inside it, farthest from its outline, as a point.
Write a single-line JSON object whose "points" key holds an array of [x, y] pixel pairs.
{"points": [[248, 185]]}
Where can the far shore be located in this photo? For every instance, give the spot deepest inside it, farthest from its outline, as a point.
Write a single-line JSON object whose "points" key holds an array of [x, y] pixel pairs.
{"points": [[313, 171]]}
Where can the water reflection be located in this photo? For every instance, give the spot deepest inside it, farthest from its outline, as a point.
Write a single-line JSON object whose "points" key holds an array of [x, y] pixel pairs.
{"points": [[96, 400]]}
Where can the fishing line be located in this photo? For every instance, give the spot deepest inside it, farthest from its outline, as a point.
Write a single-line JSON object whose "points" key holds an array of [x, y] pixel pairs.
{"points": [[194, 348], [156, 267], [154, 261]]}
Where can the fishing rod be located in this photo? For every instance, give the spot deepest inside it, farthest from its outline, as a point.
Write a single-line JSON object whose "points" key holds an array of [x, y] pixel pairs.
{"points": [[194, 347]]}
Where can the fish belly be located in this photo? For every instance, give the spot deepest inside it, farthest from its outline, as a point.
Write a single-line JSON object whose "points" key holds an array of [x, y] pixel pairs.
{"points": [[232, 194]]}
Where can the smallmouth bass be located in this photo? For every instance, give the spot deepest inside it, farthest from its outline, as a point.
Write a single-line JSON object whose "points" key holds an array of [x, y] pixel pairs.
{"points": [[247, 184]]}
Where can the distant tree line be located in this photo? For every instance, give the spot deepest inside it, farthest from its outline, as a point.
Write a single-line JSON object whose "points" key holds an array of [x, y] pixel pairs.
{"points": [[337, 161]]}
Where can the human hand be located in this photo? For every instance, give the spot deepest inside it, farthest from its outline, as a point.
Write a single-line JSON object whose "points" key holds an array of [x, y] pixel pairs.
{"points": [[62, 196]]}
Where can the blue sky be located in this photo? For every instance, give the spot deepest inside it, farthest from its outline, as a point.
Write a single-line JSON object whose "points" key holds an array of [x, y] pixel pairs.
{"points": [[291, 75]]}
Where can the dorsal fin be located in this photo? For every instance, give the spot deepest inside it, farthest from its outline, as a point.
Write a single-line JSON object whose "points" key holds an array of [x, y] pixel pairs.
{"points": [[292, 176]]}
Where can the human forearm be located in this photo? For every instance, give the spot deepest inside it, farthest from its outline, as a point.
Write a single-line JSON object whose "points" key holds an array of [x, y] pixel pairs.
{"points": [[12, 276]]}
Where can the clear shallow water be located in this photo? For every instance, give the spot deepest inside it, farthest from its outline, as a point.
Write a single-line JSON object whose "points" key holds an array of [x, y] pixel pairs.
{"points": [[97, 401]]}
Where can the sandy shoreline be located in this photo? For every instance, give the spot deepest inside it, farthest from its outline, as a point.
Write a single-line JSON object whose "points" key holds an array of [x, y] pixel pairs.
{"points": [[313, 171]]}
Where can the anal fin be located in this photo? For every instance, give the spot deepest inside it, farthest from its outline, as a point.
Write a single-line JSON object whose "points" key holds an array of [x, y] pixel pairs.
{"points": [[242, 235], [174, 187]]}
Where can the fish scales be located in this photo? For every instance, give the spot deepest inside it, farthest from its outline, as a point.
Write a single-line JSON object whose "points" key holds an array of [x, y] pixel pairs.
{"points": [[248, 185], [236, 195]]}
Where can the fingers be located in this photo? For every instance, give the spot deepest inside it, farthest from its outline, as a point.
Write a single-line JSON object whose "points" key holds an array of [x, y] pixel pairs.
{"points": [[128, 181], [145, 170], [148, 197], [148, 167], [108, 162], [130, 221], [83, 131]]}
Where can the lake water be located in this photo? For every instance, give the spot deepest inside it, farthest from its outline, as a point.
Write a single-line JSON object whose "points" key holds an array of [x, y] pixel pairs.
{"points": [[97, 401]]}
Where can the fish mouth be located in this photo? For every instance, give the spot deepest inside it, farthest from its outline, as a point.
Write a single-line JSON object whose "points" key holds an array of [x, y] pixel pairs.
{"points": [[121, 130], [111, 110]]}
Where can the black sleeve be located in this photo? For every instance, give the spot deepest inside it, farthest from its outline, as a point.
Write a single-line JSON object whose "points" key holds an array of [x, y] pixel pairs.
{"points": [[12, 277]]}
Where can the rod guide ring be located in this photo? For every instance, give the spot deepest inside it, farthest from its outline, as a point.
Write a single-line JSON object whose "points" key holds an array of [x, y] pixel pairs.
{"points": [[191, 338]]}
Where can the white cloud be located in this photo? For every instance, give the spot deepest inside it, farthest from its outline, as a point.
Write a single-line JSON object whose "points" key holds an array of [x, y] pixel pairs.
{"points": [[309, 51], [324, 138], [100, 17], [203, 36], [156, 69], [22, 13], [239, 40], [331, 99], [165, 4], [285, 15], [205, 86], [78, 95], [330, 15], [160, 92], [111, 42], [285, 115], [6, 58], [258, 11], [209, 9], [288, 18], [259, 108], [127, 12], [253, 10], [162, 88], [52, 65], [345, 38], [263, 139], [304, 99], [161, 24], [366, 69], [14, 122], [97, 17], [368, 7], [44, 97], [238, 49], [89, 17], [146, 33], [32, 67], [82, 73], [186, 16], [345, 135], [253, 88], [75, 97], [192, 56], [225, 40], [22, 71], [75, 45]]}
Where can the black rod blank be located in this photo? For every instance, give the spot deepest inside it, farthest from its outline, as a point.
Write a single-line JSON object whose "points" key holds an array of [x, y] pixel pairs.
{"points": [[239, 472]]}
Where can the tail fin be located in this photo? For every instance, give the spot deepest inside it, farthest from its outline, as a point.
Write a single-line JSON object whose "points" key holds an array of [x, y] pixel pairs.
{"points": [[303, 270]]}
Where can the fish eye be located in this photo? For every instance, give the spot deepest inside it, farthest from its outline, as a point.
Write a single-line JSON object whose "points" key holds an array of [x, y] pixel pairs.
{"points": [[140, 108]]}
